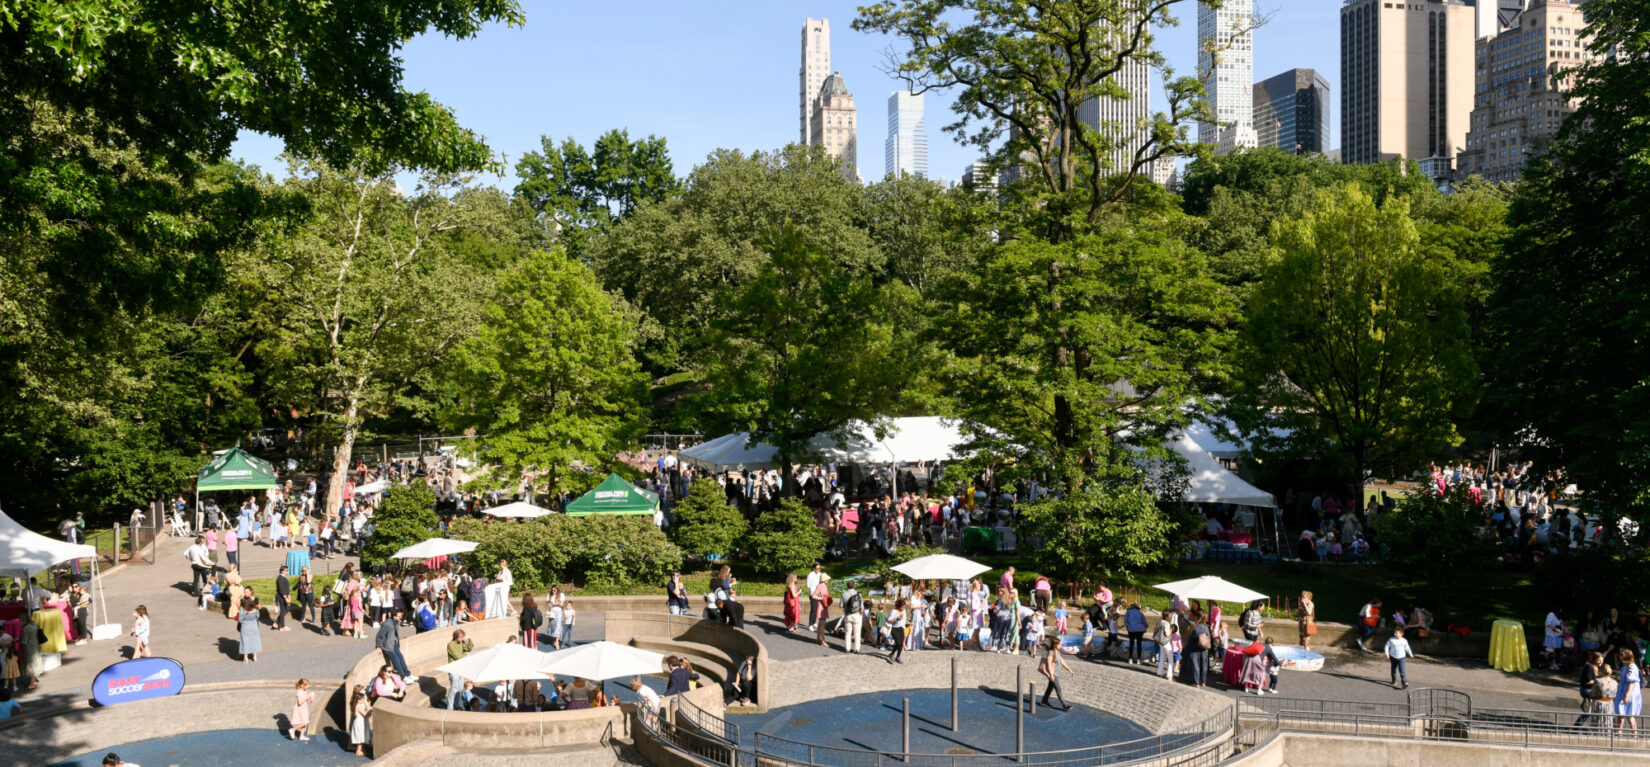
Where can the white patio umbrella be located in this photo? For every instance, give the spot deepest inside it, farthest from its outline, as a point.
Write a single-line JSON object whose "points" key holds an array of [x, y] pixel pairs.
{"points": [[1210, 587], [434, 547], [375, 486], [517, 510], [603, 660], [508, 661], [940, 567]]}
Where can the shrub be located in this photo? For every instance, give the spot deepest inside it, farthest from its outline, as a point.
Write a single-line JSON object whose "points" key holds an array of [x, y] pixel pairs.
{"points": [[406, 517], [601, 551], [785, 539], [535, 549], [705, 523]]}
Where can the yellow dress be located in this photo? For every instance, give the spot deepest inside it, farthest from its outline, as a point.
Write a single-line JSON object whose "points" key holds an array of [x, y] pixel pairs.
{"points": [[236, 591]]}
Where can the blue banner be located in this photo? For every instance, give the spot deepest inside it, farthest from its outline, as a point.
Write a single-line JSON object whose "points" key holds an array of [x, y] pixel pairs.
{"points": [[139, 679]]}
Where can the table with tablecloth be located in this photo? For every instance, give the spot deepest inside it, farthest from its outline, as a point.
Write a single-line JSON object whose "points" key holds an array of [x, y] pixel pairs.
{"points": [[1239, 539], [51, 623], [296, 561], [12, 612], [1508, 651], [1231, 665]]}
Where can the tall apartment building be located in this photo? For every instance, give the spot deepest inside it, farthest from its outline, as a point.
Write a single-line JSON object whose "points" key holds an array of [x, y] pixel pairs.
{"points": [[1225, 60], [1291, 112], [906, 149], [816, 65], [1406, 81], [836, 124], [1126, 119], [1496, 16], [1523, 74], [978, 177]]}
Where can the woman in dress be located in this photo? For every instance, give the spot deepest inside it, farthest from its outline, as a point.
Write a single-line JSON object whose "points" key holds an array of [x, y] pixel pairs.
{"points": [[140, 632], [1307, 615], [1255, 676], [1629, 691], [251, 641], [354, 607], [579, 694], [232, 581], [300, 711], [360, 732], [793, 603]]}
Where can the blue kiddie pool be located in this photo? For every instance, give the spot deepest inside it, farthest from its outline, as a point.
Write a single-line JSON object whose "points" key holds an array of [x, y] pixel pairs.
{"points": [[1298, 658], [1071, 644]]}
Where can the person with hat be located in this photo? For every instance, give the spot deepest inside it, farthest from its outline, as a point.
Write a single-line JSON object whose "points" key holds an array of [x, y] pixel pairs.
{"points": [[822, 596]]}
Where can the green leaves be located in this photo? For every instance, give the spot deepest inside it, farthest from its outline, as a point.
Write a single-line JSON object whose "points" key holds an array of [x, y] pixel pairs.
{"points": [[1429, 536], [1094, 533], [704, 523], [580, 193], [406, 517], [602, 552], [786, 539]]}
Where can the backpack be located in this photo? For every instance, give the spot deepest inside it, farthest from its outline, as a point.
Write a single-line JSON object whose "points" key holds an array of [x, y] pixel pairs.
{"points": [[853, 604]]}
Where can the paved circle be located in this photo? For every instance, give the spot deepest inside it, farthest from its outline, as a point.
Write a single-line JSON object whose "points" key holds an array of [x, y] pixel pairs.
{"points": [[225, 748], [872, 722]]}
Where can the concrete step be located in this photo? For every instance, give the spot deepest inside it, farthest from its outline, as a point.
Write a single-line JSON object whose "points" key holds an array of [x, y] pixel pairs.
{"points": [[708, 661], [426, 753]]}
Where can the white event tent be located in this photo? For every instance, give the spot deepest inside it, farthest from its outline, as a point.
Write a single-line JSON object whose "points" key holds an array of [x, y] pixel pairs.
{"points": [[24, 552], [909, 440], [1214, 483]]}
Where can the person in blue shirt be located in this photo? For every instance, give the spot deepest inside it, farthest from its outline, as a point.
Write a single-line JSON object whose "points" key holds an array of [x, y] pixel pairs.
{"points": [[426, 616], [8, 707], [1134, 622]]}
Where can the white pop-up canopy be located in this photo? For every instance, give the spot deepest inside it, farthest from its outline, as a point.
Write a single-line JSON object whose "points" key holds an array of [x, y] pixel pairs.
{"points": [[24, 552], [1211, 587], [1213, 483], [516, 510], [910, 440]]}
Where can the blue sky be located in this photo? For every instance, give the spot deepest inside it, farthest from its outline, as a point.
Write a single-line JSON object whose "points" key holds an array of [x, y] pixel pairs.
{"points": [[705, 75]]}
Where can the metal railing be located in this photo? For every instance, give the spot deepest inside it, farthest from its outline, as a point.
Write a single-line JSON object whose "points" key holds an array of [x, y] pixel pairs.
{"points": [[710, 725]]}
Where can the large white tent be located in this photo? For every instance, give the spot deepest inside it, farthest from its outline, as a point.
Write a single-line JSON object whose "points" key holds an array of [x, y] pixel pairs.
{"points": [[24, 552], [1214, 483], [910, 440]]}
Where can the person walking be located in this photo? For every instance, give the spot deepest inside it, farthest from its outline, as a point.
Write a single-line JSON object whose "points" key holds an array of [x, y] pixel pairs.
{"points": [[251, 641], [1369, 617], [814, 577], [1306, 614], [529, 621], [140, 632], [300, 711], [1629, 700], [200, 566], [821, 596], [853, 618], [1050, 667], [283, 599], [896, 624], [460, 646], [1398, 655]]}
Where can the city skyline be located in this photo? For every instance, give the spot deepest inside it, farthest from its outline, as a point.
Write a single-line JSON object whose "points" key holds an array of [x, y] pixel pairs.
{"points": [[736, 68], [905, 150]]}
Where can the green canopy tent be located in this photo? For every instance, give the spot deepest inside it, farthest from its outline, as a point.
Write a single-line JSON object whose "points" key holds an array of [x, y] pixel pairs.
{"points": [[615, 496], [233, 469]]}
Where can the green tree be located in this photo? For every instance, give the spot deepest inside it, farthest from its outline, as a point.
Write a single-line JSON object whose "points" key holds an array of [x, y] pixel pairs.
{"points": [[1568, 318], [1428, 537], [802, 349], [786, 539], [1356, 344], [673, 258], [580, 192], [536, 549], [548, 375], [926, 233], [614, 553], [704, 523], [406, 517], [1091, 534], [370, 296]]}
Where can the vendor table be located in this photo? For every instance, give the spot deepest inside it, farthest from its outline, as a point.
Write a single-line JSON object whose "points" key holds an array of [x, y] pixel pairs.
{"points": [[1507, 649], [1231, 665], [50, 621], [296, 561], [9, 610], [13, 628]]}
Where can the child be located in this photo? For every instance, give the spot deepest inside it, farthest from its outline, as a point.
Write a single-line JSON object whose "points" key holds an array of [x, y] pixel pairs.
{"points": [[568, 615], [1033, 636], [1060, 618], [300, 711], [9, 669], [140, 631], [209, 594], [1272, 666], [1088, 636]]}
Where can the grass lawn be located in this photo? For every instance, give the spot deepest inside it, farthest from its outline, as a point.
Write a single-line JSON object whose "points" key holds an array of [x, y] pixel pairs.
{"points": [[264, 588], [100, 537]]}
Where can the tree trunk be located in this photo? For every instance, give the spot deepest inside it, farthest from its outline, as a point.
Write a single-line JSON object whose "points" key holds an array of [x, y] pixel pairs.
{"points": [[341, 457], [788, 488]]}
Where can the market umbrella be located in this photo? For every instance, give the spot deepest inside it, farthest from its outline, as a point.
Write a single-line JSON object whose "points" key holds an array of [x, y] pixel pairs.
{"points": [[434, 547], [940, 567], [1210, 587], [508, 661], [603, 660], [517, 510], [375, 486]]}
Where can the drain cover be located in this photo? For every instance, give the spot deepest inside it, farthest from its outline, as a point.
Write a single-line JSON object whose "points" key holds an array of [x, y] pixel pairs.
{"points": [[800, 722]]}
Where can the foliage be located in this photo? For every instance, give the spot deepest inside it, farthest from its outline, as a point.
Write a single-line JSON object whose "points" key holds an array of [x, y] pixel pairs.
{"points": [[673, 257], [1355, 343], [1028, 71], [1430, 537], [704, 523], [802, 349], [1078, 356], [786, 539], [548, 375], [926, 233], [369, 295], [406, 517], [600, 550], [580, 192], [1595, 578], [1567, 316], [1091, 533]]}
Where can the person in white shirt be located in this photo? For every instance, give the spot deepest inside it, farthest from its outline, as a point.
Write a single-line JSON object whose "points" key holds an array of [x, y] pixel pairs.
{"points": [[497, 595], [813, 604], [1398, 654], [200, 561], [648, 699]]}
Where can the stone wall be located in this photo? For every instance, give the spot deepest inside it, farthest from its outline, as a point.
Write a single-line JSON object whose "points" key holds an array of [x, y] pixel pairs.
{"points": [[733, 643], [1340, 751], [1156, 704]]}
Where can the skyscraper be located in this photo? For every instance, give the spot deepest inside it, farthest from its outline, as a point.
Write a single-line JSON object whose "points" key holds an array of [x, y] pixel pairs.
{"points": [[1406, 81], [1127, 120], [1495, 16], [906, 150], [1292, 112], [816, 64], [1225, 60], [1522, 74], [836, 124], [978, 177]]}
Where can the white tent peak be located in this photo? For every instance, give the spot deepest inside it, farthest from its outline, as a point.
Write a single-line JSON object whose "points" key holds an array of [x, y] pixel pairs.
{"points": [[908, 440], [24, 552]]}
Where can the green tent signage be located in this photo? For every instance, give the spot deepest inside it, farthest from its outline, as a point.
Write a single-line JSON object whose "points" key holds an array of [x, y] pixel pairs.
{"points": [[236, 470], [614, 496]]}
